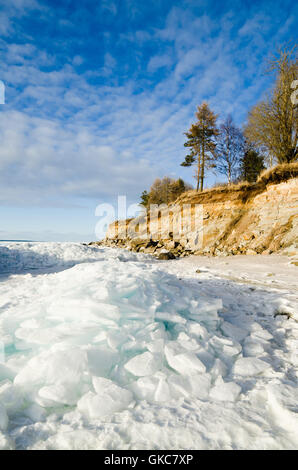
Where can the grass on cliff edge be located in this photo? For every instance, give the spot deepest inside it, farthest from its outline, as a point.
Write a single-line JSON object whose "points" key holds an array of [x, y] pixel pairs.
{"points": [[277, 174]]}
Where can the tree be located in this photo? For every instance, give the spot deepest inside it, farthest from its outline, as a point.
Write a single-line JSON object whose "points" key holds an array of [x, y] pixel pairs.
{"points": [[201, 140], [229, 149], [273, 123], [178, 187], [164, 191], [144, 198], [252, 163], [160, 191]]}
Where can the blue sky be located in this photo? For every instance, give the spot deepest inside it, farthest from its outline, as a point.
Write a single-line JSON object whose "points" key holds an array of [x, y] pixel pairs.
{"points": [[99, 93]]}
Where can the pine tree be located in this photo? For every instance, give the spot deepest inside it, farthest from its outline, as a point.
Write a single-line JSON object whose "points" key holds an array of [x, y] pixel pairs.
{"points": [[201, 140], [252, 163], [144, 199]]}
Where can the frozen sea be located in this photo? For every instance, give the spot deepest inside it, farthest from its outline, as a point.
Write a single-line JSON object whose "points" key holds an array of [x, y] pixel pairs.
{"points": [[102, 348]]}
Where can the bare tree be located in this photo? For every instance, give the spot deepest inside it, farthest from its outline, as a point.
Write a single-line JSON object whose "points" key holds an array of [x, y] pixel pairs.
{"points": [[273, 123], [229, 148]]}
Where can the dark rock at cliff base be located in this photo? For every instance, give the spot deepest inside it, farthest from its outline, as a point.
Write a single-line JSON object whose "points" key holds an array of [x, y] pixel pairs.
{"points": [[94, 243], [166, 256]]}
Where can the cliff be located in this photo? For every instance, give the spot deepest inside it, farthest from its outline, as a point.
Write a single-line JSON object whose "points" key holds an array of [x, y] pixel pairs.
{"points": [[245, 219]]}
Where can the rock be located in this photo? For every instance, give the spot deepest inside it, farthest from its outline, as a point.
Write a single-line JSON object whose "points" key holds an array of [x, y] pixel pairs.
{"points": [[137, 242], [170, 244], [166, 256], [150, 250], [267, 252], [251, 252]]}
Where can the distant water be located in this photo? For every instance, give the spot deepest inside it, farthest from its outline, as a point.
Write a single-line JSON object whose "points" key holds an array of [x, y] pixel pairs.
{"points": [[22, 241]]}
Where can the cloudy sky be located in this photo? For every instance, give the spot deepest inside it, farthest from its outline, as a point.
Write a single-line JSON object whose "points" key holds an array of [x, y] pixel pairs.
{"points": [[99, 92]]}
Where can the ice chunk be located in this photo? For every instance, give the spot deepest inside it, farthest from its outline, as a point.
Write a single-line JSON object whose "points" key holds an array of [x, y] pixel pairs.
{"points": [[206, 310], [252, 347], [101, 384], [38, 336], [110, 400], [144, 364], [187, 342], [225, 391], [153, 389], [6, 373], [162, 393], [35, 412], [198, 330], [10, 397], [85, 309], [170, 317], [260, 333], [219, 369], [200, 385], [145, 388], [180, 386], [156, 346], [3, 418], [183, 361], [115, 338], [52, 367], [233, 331], [159, 332], [250, 366], [226, 346], [101, 360], [105, 387], [197, 385], [65, 394]]}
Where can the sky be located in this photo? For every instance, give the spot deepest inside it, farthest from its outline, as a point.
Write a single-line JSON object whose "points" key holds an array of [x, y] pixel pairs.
{"points": [[98, 95]]}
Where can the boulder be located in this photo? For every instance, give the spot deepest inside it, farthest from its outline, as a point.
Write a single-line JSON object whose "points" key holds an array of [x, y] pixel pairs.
{"points": [[166, 255]]}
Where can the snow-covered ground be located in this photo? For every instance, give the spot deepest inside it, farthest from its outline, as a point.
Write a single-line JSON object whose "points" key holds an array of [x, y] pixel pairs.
{"points": [[107, 349]]}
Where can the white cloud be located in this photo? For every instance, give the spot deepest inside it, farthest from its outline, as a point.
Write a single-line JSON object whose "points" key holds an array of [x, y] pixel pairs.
{"points": [[78, 60], [13, 9], [39, 159], [159, 61], [73, 139]]}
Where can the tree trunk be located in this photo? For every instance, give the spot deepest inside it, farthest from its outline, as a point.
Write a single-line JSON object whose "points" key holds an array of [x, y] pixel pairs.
{"points": [[199, 170], [203, 165]]}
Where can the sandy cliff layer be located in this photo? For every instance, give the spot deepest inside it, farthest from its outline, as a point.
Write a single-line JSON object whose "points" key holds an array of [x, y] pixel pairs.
{"points": [[241, 220]]}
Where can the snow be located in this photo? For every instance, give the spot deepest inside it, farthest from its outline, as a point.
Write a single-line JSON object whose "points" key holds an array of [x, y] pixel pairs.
{"points": [[107, 349]]}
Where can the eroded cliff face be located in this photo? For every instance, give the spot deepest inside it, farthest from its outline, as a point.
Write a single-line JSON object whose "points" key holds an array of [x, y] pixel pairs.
{"points": [[220, 221]]}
